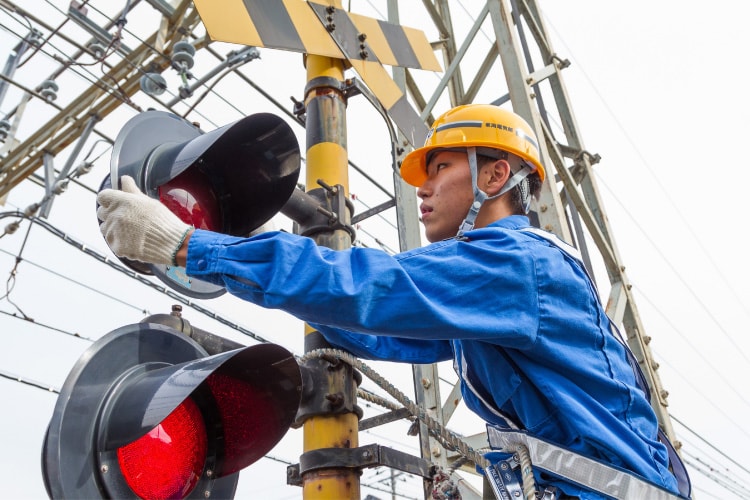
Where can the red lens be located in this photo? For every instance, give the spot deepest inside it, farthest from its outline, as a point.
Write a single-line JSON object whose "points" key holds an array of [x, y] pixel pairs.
{"points": [[250, 418], [168, 461], [190, 197]]}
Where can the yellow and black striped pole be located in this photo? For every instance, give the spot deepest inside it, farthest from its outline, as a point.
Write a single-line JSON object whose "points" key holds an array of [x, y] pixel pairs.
{"points": [[327, 162]]}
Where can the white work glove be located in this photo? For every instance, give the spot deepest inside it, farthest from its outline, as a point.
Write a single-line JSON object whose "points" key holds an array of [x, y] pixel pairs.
{"points": [[138, 227]]}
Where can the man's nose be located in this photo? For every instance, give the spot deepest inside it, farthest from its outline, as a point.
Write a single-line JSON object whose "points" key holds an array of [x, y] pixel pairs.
{"points": [[425, 189]]}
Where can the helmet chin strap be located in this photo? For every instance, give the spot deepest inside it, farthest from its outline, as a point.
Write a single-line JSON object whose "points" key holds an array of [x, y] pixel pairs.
{"points": [[480, 196]]}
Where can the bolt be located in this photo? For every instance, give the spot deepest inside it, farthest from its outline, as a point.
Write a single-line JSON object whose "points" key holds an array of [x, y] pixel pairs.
{"points": [[504, 466], [209, 473], [544, 208], [516, 493], [336, 399], [362, 37], [206, 494], [436, 451], [366, 455], [426, 383], [105, 469], [363, 54], [176, 310]]}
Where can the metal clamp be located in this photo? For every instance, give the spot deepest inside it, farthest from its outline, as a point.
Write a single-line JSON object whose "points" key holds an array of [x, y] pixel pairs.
{"points": [[503, 479], [372, 455], [333, 212]]}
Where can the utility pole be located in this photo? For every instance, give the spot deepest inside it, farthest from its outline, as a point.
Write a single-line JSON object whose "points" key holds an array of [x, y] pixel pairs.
{"points": [[327, 170]]}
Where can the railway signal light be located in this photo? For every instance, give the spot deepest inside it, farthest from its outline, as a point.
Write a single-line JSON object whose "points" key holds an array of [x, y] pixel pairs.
{"points": [[230, 180], [146, 413]]}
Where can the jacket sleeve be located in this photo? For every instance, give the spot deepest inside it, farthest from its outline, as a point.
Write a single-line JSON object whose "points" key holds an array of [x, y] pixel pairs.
{"points": [[440, 292], [345, 295]]}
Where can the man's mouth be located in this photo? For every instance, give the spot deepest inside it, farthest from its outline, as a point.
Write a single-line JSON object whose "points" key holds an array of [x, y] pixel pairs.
{"points": [[425, 211]]}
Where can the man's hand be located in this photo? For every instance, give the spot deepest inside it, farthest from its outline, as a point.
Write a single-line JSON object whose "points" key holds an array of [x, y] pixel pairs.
{"points": [[138, 227]]}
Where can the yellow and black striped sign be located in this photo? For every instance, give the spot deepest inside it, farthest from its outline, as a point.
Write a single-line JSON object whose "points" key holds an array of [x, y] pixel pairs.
{"points": [[294, 25], [315, 28]]}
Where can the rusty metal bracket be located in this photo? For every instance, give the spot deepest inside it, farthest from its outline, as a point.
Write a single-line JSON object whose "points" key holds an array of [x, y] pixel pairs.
{"points": [[339, 396], [372, 455], [332, 212]]}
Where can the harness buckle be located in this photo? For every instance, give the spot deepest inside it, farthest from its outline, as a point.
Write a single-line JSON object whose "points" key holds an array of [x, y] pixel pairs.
{"points": [[503, 479]]}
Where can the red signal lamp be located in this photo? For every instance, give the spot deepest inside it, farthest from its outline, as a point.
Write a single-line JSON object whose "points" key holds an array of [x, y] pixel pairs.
{"points": [[146, 413], [167, 461], [189, 196], [230, 180]]}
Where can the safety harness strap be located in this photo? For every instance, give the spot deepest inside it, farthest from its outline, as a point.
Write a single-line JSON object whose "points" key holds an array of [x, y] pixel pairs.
{"points": [[569, 465]]}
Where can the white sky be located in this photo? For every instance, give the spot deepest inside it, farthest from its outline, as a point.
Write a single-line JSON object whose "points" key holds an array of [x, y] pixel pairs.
{"points": [[656, 88]]}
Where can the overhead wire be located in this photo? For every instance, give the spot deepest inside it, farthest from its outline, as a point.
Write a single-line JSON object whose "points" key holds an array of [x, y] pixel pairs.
{"points": [[710, 466], [32, 383], [666, 195], [713, 447], [79, 283], [138, 277], [690, 344]]}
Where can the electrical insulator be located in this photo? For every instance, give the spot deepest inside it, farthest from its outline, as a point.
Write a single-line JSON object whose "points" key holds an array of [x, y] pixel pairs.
{"points": [[97, 49], [182, 55], [48, 89], [153, 84]]}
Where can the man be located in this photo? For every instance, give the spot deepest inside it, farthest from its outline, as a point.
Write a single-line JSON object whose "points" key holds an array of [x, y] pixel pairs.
{"points": [[511, 305]]}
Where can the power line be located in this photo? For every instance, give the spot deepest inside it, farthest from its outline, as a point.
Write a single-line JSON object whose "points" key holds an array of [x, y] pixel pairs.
{"points": [[31, 383], [713, 447], [44, 325], [132, 274], [79, 283]]}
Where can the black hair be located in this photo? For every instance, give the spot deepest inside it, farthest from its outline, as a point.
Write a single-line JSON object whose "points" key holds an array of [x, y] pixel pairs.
{"points": [[515, 198]]}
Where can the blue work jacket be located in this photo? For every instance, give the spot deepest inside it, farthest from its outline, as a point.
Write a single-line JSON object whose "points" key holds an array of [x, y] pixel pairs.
{"points": [[519, 317]]}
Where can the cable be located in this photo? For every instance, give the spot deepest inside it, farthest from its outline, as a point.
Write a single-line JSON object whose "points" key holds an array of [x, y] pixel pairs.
{"points": [[38, 385], [691, 431], [679, 212], [83, 285], [689, 343], [44, 325], [142, 279]]}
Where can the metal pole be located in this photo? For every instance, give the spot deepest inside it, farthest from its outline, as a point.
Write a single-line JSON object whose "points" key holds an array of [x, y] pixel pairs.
{"points": [[327, 166]]}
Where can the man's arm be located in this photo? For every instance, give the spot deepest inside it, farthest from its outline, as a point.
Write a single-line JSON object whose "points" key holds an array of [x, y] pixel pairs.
{"points": [[181, 255]]}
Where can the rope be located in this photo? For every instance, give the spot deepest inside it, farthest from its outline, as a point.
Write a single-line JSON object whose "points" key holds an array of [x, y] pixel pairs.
{"points": [[432, 424], [527, 473]]}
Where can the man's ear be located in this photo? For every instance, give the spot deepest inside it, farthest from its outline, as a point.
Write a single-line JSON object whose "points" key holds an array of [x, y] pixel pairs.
{"points": [[495, 175]]}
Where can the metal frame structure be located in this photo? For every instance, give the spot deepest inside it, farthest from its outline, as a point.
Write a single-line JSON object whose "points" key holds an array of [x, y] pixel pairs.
{"points": [[519, 68]]}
